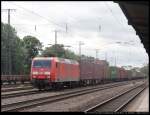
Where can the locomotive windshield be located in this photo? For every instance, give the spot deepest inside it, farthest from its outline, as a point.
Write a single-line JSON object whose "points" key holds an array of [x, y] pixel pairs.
{"points": [[42, 63]]}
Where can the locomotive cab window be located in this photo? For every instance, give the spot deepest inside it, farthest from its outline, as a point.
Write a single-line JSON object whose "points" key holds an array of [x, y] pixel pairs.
{"points": [[42, 63]]}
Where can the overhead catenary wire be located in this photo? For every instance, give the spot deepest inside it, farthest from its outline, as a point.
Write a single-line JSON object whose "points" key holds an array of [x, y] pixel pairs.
{"points": [[26, 30], [116, 19], [33, 12], [66, 27]]}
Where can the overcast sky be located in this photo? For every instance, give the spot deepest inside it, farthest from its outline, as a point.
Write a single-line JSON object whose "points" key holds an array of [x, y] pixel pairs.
{"points": [[99, 25]]}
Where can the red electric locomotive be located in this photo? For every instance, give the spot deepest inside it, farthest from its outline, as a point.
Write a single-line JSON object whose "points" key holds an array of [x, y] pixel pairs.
{"points": [[53, 71]]}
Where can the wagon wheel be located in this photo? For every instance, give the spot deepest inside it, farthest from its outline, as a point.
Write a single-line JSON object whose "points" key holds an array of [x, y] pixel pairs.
{"points": [[14, 81], [22, 80], [1, 83]]}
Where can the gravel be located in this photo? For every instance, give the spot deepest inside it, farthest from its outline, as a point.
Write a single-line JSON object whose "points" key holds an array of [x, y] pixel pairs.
{"points": [[80, 103], [35, 96]]}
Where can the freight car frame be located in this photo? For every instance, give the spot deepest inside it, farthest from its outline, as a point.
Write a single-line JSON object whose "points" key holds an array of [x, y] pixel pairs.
{"points": [[13, 79]]}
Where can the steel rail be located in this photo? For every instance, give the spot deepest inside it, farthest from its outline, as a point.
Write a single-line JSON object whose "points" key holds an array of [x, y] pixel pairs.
{"points": [[25, 93], [18, 94], [16, 89], [14, 85], [108, 105], [129, 100], [44, 100]]}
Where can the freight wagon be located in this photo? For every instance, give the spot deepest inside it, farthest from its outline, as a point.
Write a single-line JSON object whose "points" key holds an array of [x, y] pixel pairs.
{"points": [[129, 74], [113, 73], [136, 74], [13, 79], [93, 71], [122, 74]]}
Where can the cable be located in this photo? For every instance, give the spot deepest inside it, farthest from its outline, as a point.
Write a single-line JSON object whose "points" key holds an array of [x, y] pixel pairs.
{"points": [[25, 30], [44, 17], [118, 22], [39, 15]]}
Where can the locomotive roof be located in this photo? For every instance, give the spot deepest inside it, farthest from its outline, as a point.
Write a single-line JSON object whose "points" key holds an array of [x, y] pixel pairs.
{"points": [[63, 60], [41, 58], [68, 61]]}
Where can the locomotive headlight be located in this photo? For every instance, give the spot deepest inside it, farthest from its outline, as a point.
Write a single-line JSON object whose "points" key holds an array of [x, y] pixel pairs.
{"points": [[47, 73], [48, 76], [35, 73], [34, 76]]}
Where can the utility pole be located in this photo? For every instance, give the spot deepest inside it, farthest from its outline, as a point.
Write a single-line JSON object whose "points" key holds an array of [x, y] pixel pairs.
{"points": [[8, 36], [80, 43], [66, 49], [66, 28], [35, 27], [56, 36], [106, 56], [56, 31], [8, 10], [115, 61], [99, 28], [97, 53]]}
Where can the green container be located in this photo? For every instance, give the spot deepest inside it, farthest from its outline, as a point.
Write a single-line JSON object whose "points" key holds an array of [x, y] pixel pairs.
{"points": [[113, 72]]}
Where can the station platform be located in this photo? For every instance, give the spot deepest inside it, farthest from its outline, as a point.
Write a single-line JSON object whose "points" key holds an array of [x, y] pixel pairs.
{"points": [[140, 103]]}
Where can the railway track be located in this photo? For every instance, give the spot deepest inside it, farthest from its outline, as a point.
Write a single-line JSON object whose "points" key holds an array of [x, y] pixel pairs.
{"points": [[14, 85], [118, 102], [17, 94], [24, 93], [16, 88], [44, 100]]}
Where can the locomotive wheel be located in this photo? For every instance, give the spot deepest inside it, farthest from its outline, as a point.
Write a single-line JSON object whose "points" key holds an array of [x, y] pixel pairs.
{"points": [[39, 89], [22, 82], [47, 88]]}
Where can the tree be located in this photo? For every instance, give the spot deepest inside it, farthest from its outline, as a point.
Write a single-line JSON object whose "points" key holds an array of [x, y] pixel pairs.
{"points": [[32, 46], [71, 55], [59, 51], [10, 43], [145, 70], [21, 51], [18, 59]]}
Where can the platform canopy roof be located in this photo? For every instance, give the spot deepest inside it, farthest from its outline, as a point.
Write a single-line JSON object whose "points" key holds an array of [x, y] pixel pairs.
{"points": [[137, 13]]}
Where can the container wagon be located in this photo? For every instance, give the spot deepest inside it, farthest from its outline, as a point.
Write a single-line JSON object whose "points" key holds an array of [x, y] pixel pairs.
{"points": [[113, 72], [92, 71]]}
